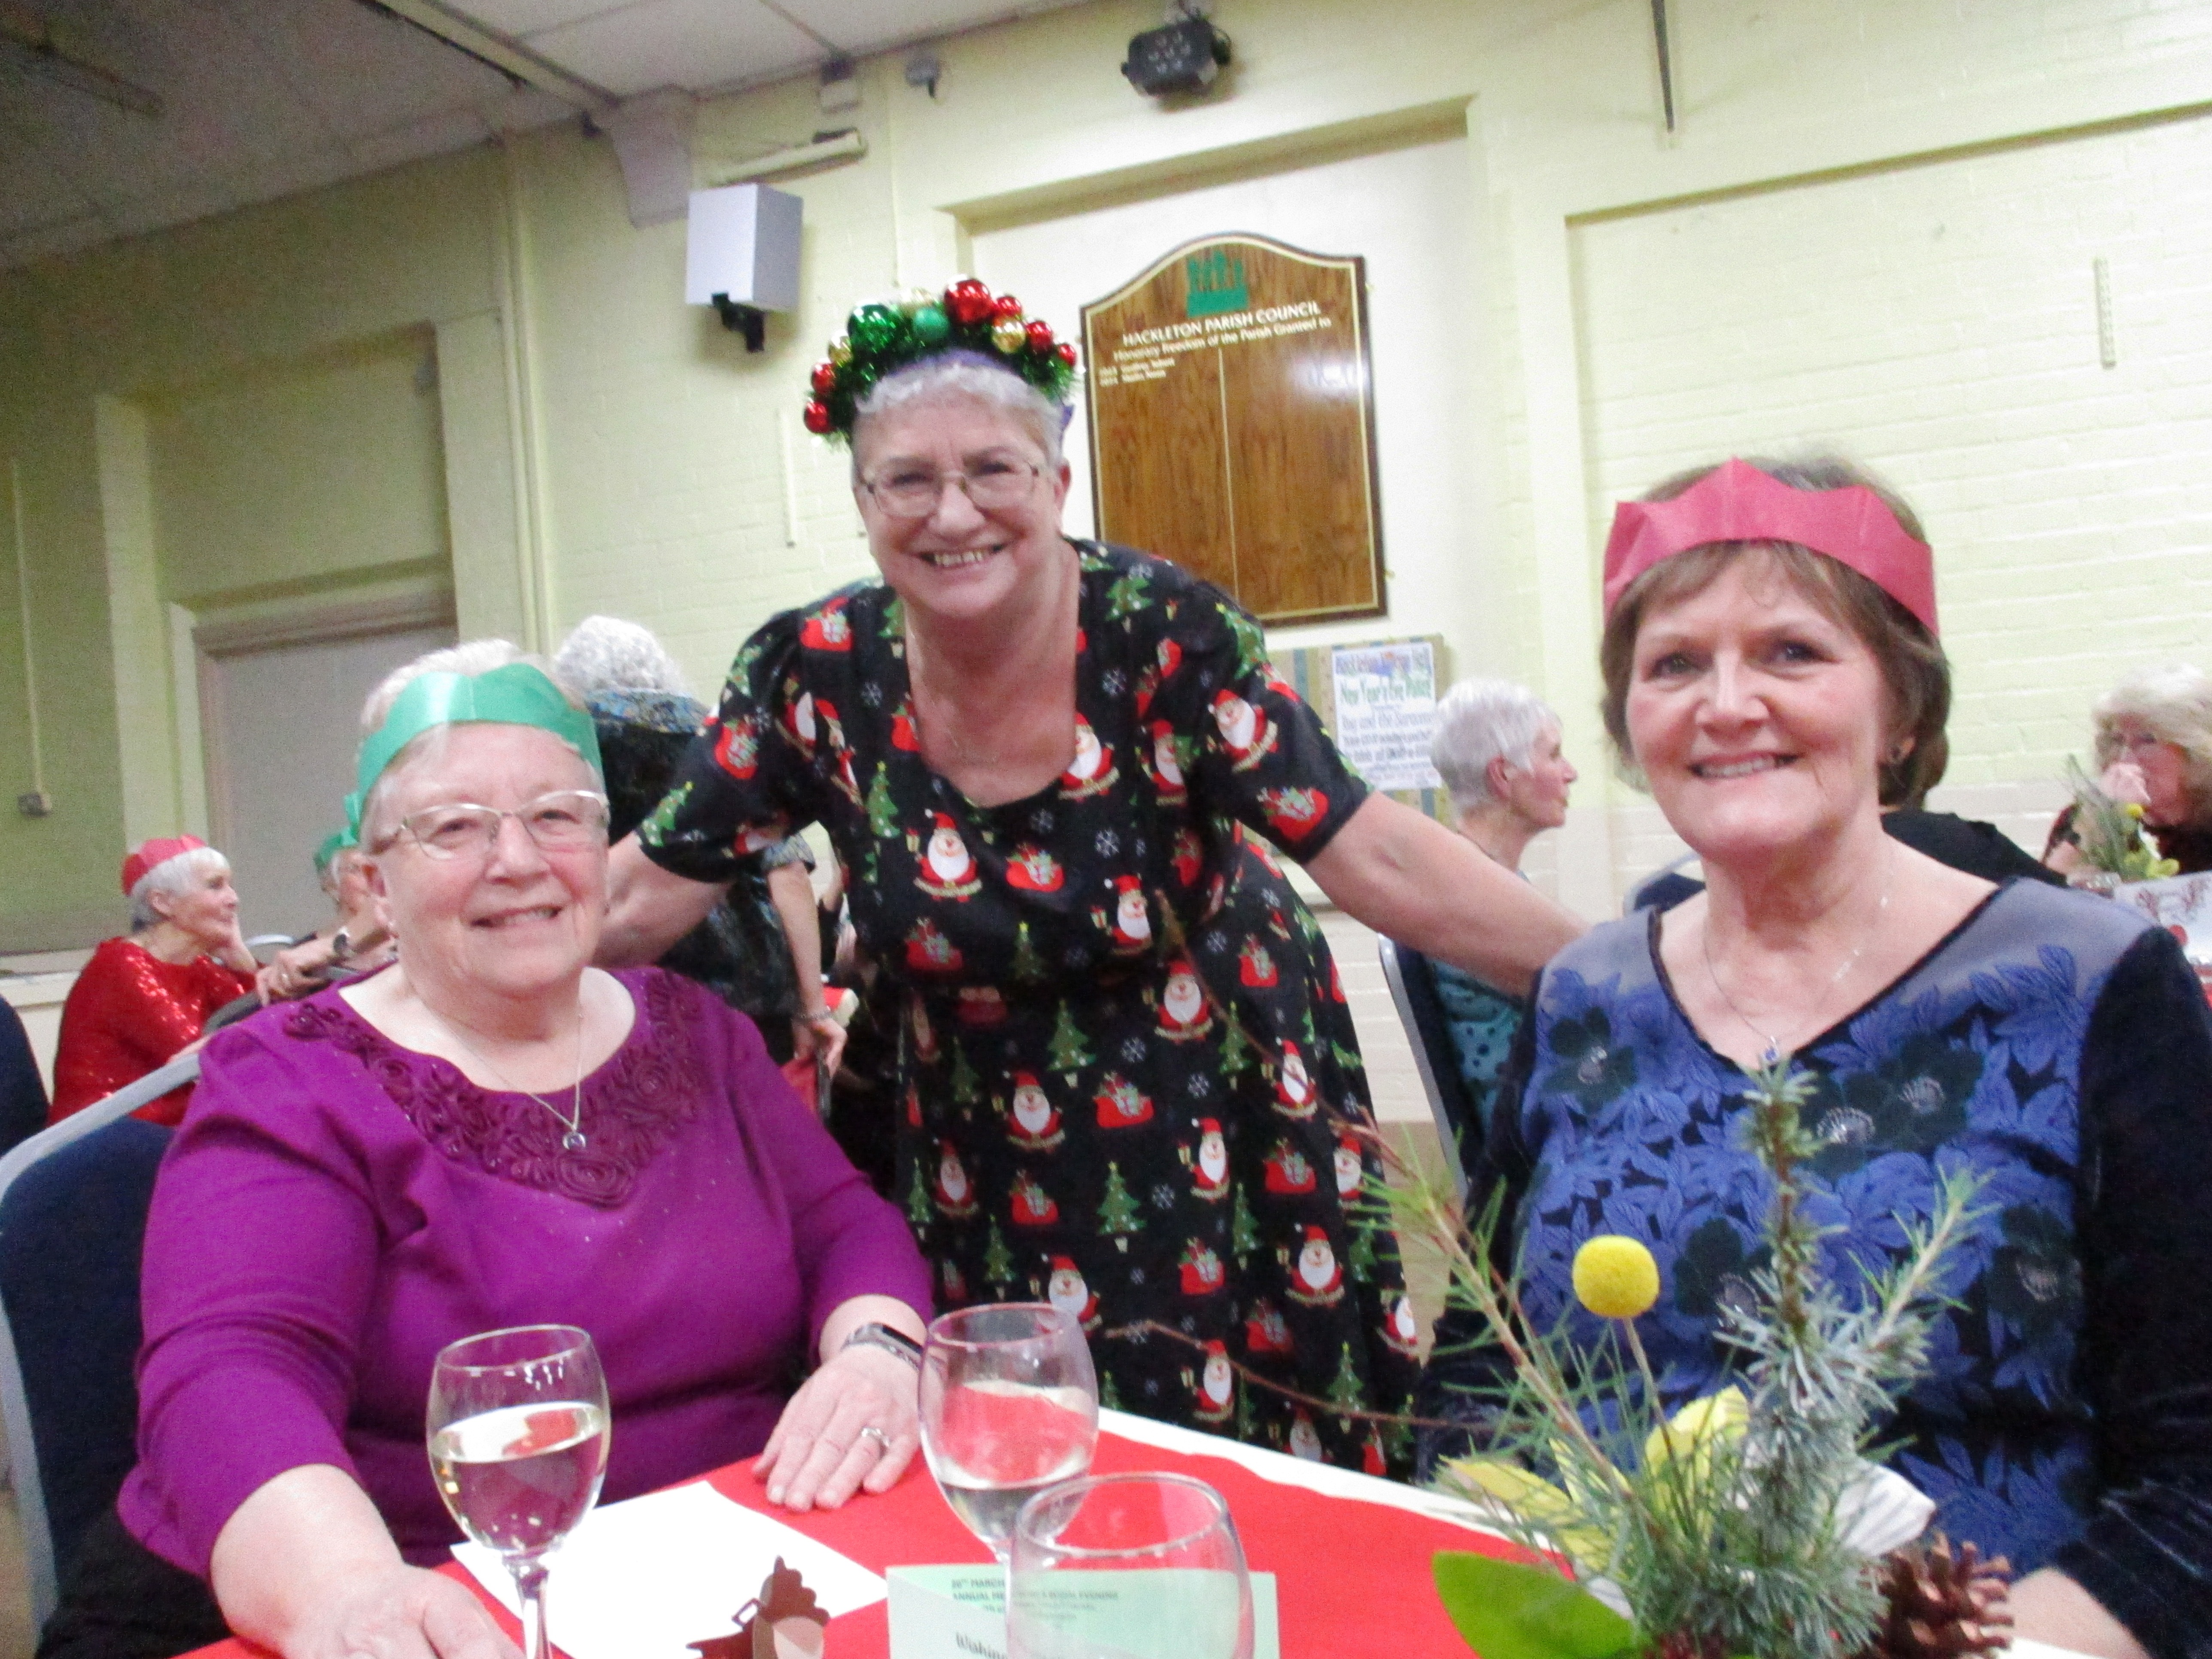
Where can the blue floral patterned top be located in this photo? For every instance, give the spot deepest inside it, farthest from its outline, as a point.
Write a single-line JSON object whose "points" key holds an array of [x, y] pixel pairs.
{"points": [[2055, 1045]]}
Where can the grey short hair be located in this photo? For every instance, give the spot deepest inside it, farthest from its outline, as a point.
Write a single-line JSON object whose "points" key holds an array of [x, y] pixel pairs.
{"points": [[954, 374], [2173, 703], [1480, 721], [469, 657], [606, 653], [172, 877]]}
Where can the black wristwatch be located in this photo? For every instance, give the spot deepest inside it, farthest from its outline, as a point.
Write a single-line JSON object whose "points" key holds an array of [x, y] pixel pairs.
{"points": [[874, 1335]]}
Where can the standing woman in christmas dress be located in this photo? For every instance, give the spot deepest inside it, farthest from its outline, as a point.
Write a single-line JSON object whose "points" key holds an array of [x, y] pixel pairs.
{"points": [[1059, 773]]}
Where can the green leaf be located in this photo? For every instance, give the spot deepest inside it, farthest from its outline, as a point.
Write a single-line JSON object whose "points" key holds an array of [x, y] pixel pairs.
{"points": [[1507, 1610]]}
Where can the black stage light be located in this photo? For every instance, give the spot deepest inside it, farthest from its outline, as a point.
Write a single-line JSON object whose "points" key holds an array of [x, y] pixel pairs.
{"points": [[1182, 56]]}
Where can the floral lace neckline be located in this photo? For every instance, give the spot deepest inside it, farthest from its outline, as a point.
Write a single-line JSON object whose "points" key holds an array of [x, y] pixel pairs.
{"points": [[633, 1105]]}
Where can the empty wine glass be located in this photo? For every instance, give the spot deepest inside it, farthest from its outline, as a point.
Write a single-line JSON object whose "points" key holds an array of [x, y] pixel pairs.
{"points": [[1008, 1405], [519, 1430], [1127, 1566]]}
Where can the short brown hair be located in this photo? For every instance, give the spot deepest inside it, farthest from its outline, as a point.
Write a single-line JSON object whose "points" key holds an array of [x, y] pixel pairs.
{"points": [[1915, 674]]}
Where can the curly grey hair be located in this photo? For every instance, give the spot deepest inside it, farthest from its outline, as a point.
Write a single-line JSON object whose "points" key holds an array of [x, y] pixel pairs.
{"points": [[606, 653], [171, 877], [1481, 720], [2173, 703], [965, 374]]}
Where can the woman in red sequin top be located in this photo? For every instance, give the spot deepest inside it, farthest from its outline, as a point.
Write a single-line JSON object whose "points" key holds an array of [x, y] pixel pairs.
{"points": [[142, 999]]}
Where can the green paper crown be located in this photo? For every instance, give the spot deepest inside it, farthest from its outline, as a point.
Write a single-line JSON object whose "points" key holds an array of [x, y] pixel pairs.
{"points": [[880, 339]]}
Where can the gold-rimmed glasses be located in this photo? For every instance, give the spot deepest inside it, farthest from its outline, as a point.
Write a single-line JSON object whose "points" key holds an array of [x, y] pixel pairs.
{"points": [[559, 822], [991, 482]]}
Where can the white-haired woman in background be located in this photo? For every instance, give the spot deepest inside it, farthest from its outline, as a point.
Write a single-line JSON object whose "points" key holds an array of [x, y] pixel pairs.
{"points": [[143, 997], [1497, 748], [2154, 745]]}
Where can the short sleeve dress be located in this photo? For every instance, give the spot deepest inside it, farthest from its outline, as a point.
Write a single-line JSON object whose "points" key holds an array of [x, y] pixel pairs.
{"points": [[1128, 1078]]}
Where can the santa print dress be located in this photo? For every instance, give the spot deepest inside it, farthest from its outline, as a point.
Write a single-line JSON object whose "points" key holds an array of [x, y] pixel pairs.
{"points": [[1125, 1061]]}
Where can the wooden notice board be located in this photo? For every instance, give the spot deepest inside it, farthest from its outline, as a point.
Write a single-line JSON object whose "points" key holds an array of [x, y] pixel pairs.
{"points": [[1232, 424]]}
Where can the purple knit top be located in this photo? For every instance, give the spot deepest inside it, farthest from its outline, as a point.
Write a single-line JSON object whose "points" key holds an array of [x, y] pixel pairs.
{"points": [[337, 1208]]}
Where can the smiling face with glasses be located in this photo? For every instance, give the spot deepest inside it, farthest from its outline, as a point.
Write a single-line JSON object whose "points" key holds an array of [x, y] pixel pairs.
{"points": [[490, 856], [963, 512]]}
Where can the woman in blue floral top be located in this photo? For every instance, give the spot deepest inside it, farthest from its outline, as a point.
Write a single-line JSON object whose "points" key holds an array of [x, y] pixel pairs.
{"points": [[1059, 775], [1769, 661]]}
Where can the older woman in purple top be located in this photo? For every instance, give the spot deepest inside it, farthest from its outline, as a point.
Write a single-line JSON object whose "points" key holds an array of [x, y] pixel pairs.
{"points": [[491, 1133]]}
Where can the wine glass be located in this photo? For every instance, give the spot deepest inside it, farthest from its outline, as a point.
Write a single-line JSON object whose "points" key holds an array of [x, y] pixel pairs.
{"points": [[519, 1430], [1008, 1405], [1178, 1589]]}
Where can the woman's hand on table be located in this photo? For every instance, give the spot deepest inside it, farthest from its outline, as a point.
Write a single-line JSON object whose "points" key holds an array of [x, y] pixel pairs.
{"points": [[400, 1612], [856, 1422]]}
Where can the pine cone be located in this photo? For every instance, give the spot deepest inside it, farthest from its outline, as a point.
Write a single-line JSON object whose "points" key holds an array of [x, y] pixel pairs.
{"points": [[1944, 1604]]}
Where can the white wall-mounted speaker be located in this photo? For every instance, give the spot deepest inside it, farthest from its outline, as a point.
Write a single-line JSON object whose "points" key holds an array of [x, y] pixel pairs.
{"points": [[743, 246]]}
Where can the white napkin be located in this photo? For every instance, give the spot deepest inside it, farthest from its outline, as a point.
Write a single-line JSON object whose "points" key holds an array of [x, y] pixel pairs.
{"points": [[646, 1579]]}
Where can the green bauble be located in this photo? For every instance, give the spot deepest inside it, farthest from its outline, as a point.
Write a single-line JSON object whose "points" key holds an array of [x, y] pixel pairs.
{"points": [[932, 327], [872, 328]]}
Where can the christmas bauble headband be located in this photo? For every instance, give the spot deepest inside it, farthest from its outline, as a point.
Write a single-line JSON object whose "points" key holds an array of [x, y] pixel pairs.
{"points": [[516, 694], [879, 339], [1737, 502]]}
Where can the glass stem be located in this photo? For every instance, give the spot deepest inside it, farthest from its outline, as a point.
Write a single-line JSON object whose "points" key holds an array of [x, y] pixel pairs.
{"points": [[530, 1584]]}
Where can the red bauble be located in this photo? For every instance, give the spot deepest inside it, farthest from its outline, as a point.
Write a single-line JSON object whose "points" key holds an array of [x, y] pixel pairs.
{"points": [[1041, 339], [970, 303], [1005, 306], [825, 379], [1067, 353], [817, 416]]}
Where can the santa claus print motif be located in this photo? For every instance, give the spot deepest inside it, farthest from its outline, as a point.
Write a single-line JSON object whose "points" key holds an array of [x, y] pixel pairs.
{"points": [[1033, 1207], [1167, 764], [1067, 1292], [928, 952], [1092, 772], [827, 628], [1266, 1331], [1294, 812], [1132, 927], [1202, 1272], [1317, 1280], [917, 1015], [948, 870], [798, 722], [1350, 1172], [1289, 1171], [1216, 1387], [1254, 966], [737, 748], [1166, 660], [1209, 1168], [904, 734], [841, 752], [1371, 1460], [1246, 732], [1033, 1122], [1399, 1331], [913, 1106], [1295, 1094], [1121, 1106], [955, 1193], [1189, 857], [1184, 1017], [1033, 870], [1306, 1440]]}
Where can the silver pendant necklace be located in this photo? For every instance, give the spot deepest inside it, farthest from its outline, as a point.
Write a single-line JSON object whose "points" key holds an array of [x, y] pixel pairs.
{"points": [[572, 1119], [1773, 1051]]}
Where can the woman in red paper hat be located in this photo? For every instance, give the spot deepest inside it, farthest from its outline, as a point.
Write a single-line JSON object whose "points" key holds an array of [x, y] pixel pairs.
{"points": [[141, 1000], [1773, 670], [1054, 769]]}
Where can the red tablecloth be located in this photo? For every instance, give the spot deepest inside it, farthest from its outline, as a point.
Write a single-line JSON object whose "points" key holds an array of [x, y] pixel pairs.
{"points": [[1349, 1577]]}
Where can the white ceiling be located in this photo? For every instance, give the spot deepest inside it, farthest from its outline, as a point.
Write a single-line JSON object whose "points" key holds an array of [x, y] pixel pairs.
{"points": [[262, 98]]}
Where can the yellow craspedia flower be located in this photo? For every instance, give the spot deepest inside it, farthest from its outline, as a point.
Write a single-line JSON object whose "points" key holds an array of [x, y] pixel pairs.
{"points": [[1616, 1278], [2134, 809]]}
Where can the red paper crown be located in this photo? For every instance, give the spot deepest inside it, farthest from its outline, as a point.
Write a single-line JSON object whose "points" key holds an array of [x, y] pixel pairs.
{"points": [[150, 855], [1737, 502]]}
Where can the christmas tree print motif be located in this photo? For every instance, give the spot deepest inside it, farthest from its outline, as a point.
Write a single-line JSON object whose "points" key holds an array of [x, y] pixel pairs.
{"points": [[883, 811], [998, 1260], [1029, 966], [1361, 1261], [1243, 1235], [1345, 1390], [966, 1089], [918, 1206], [1237, 1054], [1127, 596], [1117, 1211], [1108, 1395], [1251, 644], [1246, 1423], [662, 818], [893, 627], [1069, 1054]]}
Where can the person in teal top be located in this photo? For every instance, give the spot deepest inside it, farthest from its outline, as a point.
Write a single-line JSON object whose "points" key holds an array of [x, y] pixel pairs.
{"points": [[1496, 748]]}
